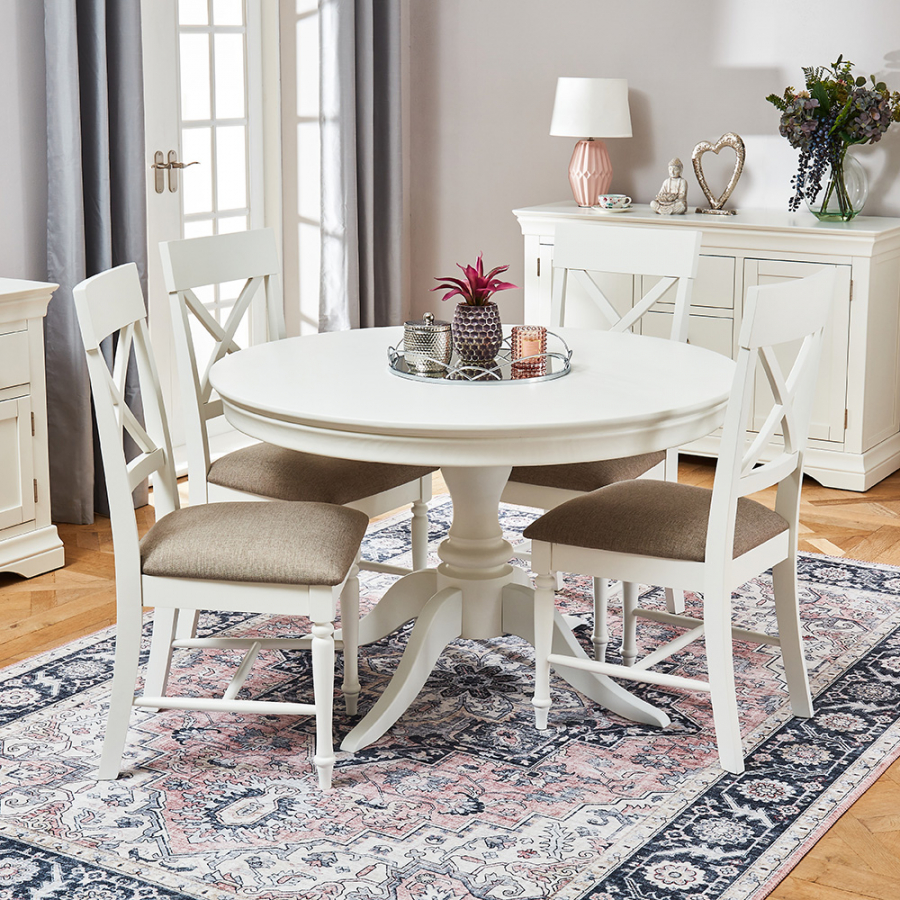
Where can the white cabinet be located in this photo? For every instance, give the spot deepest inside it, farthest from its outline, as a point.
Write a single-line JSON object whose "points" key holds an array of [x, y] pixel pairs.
{"points": [[29, 543], [855, 432]]}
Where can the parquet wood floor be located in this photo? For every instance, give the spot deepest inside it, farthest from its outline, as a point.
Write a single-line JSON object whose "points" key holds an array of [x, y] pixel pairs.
{"points": [[859, 857]]}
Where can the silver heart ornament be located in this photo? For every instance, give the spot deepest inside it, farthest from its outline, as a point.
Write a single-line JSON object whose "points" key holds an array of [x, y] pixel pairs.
{"points": [[733, 141]]}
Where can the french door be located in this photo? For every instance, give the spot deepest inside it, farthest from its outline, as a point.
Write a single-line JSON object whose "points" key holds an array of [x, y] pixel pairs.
{"points": [[204, 147]]}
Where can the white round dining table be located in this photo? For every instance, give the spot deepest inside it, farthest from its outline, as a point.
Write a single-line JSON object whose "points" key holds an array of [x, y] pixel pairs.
{"points": [[334, 394]]}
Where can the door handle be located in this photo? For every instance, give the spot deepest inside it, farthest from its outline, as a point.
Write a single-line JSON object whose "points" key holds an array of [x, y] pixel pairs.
{"points": [[172, 165]]}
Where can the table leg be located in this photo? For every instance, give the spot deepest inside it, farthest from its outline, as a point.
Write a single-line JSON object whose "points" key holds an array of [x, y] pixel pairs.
{"points": [[403, 600], [518, 619], [439, 623], [474, 556]]}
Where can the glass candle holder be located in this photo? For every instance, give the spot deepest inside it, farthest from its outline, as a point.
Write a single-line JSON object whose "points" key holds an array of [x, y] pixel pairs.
{"points": [[529, 346]]}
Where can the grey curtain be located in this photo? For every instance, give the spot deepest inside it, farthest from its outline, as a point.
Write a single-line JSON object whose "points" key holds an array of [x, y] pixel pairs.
{"points": [[96, 216], [361, 164]]}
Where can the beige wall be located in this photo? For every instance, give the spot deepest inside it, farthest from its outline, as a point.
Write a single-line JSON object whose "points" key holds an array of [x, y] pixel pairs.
{"points": [[482, 76], [481, 79], [23, 114]]}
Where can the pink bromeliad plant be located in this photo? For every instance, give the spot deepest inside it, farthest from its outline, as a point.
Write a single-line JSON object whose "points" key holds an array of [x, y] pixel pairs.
{"points": [[477, 288]]}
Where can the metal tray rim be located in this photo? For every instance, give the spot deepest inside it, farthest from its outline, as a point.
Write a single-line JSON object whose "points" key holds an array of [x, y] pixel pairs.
{"points": [[503, 361]]}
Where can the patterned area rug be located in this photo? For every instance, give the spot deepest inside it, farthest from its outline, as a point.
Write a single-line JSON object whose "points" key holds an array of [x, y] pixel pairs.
{"points": [[463, 798]]}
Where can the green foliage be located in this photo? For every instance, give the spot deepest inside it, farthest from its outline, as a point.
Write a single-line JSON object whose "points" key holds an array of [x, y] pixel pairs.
{"points": [[853, 110], [834, 111]]}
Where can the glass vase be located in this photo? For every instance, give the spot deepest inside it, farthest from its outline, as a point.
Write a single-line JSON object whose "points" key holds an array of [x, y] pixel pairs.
{"points": [[844, 191]]}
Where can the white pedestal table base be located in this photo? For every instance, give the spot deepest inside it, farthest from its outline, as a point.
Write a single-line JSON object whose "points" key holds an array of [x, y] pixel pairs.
{"points": [[474, 594]]}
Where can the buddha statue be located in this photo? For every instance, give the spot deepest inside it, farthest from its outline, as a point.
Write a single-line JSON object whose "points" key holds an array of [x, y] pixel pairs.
{"points": [[672, 197]]}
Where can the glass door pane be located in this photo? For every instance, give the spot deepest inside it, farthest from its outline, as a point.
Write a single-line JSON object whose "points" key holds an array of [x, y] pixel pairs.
{"points": [[215, 123]]}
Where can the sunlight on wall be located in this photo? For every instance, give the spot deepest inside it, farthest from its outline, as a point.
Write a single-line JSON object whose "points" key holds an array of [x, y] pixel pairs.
{"points": [[772, 40], [786, 36]]}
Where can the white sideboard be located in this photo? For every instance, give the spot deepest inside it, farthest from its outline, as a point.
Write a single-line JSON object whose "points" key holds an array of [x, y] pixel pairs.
{"points": [[855, 434], [29, 543]]}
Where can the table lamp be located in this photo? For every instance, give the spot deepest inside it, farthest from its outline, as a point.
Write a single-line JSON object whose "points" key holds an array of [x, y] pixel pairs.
{"points": [[591, 108]]}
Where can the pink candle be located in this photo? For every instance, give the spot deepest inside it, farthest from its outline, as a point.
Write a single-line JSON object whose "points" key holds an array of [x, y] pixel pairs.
{"points": [[531, 346]]}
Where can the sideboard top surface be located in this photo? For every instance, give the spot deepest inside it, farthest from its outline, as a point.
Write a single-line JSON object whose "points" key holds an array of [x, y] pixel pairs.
{"points": [[20, 299], [862, 228], [17, 288]]}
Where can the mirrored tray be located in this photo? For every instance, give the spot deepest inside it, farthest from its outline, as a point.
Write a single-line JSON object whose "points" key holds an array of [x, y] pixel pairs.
{"points": [[557, 361]]}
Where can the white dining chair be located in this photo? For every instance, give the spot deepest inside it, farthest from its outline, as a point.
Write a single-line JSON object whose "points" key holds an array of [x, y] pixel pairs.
{"points": [[249, 260], [667, 259], [709, 541], [280, 558]]}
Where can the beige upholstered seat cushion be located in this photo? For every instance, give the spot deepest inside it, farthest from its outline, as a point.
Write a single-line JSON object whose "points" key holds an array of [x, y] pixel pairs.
{"points": [[277, 542], [587, 476], [651, 518], [271, 471]]}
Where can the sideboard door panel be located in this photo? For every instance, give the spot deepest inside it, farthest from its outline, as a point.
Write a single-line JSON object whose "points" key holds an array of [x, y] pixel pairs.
{"points": [[17, 488], [831, 396]]}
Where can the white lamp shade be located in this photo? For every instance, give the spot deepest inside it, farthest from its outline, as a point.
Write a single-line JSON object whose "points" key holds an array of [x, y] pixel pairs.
{"points": [[591, 107]]}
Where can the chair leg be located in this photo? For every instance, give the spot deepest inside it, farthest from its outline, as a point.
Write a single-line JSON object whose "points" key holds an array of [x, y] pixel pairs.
{"points": [[544, 608], [350, 638], [629, 623], [166, 622], [675, 601], [720, 662], [125, 669], [187, 623], [419, 535], [784, 579], [600, 637], [323, 689], [523, 551]]}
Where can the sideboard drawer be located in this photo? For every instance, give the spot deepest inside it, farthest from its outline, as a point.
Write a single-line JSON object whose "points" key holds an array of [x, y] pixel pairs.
{"points": [[713, 286], [13, 358], [7, 327], [713, 332]]}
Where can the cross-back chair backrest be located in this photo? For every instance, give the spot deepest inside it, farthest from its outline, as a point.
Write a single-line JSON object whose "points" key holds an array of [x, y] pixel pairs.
{"points": [[670, 254], [775, 314], [111, 305], [250, 257]]}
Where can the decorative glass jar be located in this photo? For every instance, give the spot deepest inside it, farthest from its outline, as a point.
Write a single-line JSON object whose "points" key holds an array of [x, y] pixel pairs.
{"points": [[529, 348]]}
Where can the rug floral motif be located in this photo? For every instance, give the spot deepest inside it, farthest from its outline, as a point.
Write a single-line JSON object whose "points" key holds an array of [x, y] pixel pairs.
{"points": [[462, 798]]}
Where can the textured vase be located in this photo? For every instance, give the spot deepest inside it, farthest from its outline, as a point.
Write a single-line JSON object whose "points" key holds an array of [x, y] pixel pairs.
{"points": [[844, 191], [477, 333]]}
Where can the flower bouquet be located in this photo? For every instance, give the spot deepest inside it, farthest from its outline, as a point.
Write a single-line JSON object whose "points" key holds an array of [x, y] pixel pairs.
{"points": [[834, 112]]}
